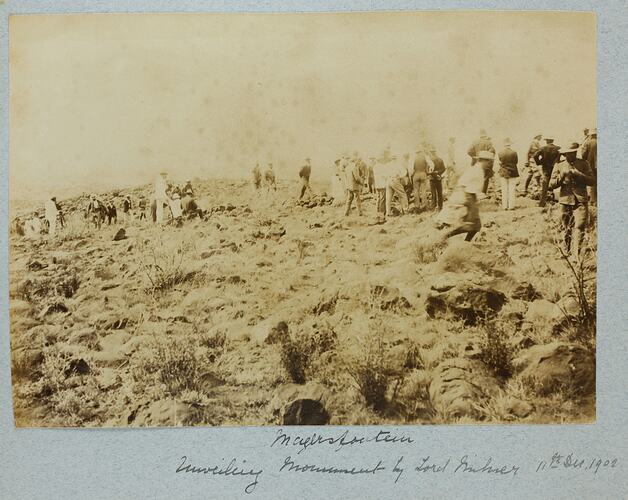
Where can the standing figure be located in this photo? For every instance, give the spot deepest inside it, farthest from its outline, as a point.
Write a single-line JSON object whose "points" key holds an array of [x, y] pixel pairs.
{"points": [[257, 176], [51, 212], [269, 177], [353, 184], [304, 175], [126, 208], [142, 207], [112, 213], [370, 181], [589, 153], [571, 178], [483, 144], [531, 170], [546, 157], [508, 172], [435, 170], [380, 176], [161, 197], [419, 178]]}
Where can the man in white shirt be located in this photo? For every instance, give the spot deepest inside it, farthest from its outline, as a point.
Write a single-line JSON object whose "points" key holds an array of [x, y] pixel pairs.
{"points": [[51, 215]]}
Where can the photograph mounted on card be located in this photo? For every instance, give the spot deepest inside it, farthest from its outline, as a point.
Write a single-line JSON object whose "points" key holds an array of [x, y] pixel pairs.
{"points": [[303, 219]]}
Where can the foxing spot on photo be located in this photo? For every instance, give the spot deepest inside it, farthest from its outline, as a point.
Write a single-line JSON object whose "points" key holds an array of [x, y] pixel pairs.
{"points": [[303, 219]]}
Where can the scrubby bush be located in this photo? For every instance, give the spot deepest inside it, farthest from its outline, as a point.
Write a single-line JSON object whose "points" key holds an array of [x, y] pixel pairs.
{"points": [[495, 350], [165, 267]]}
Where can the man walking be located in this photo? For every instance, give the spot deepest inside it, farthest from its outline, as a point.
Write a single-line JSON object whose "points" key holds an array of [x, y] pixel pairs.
{"points": [[546, 157], [51, 211], [531, 171], [571, 177], [482, 144], [508, 172], [304, 175]]}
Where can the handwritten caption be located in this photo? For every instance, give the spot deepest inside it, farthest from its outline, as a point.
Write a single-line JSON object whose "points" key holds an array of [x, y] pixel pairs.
{"points": [[292, 446]]}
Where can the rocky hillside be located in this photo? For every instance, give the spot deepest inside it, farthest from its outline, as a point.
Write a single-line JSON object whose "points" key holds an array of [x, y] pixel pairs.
{"points": [[270, 312]]}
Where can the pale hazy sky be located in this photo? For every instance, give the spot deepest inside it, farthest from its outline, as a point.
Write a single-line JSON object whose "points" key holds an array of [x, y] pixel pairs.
{"points": [[121, 97]]}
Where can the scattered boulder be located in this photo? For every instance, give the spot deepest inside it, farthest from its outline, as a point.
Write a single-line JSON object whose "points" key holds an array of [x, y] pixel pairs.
{"points": [[35, 265], [269, 331], [526, 291], [458, 385], [25, 361], [76, 367], [305, 412], [466, 301], [120, 235], [327, 303], [518, 408], [556, 366], [164, 413], [543, 311], [388, 297], [17, 306], [286, 395], [57, 307]]}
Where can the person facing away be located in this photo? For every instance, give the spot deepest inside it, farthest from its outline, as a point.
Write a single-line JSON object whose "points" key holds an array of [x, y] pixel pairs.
{"points": [[380, 179], [257, 176], [589, 153], [142, 206], [112, 213], [394, 186], [508, 173], [531, 171], [188, 187], [571, 178], [419, 177], [126, 207], [50, 210], [353, 184], [435, 170], [304, 174], [546, 157], [269, 177], [482, 144]]}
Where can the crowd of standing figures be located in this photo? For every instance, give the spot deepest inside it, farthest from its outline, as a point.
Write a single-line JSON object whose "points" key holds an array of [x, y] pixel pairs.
{"points": [[401, 184]]}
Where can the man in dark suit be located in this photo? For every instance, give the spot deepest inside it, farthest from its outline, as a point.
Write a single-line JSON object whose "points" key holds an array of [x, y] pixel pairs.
{"points": [[546, 157]]}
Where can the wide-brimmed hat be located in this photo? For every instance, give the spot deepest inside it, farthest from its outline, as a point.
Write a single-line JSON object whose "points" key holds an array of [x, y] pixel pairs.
{"points": [[175, 196], [572, 148], [483, 134], [539, 135], [549, 137], [507, 141], [593, 131], [485, 155]]}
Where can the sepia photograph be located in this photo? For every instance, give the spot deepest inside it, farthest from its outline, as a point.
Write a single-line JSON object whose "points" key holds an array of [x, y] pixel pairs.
{"points": [[357, 218]]}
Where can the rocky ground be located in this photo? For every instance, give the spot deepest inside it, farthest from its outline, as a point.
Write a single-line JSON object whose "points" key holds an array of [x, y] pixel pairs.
{"points": [[269, 312]]}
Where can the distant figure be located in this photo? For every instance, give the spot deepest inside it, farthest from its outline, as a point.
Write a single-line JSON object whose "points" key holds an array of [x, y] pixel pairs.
{"points": [[51, 212], [435, 170], [126, 208], [571, 178], [370, 180], [449, 177], [338, 183], [471, 184], [142, 207], [508, 172], [589, 153], [188, 187], [304, 175], [419, 178], [269, 177], [190, 207], [60, 215], [546, 157], [482, 144], [112, 213], [380, 180], [257, 176], [354, 184], [161, 196], [175, 207], [394, 186], [531, 171]]}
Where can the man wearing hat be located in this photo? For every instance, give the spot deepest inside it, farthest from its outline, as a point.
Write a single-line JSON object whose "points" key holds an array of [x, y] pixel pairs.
{"points": [[269, 177], [353, 185], [508, 172], [482, 144], [589, 153], [531, 171], [571, 178], [394, 185], [304, 175], [546, 157]]}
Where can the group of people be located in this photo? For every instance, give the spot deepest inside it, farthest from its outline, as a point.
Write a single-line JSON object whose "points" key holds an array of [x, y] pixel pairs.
{"points": [[266, 178]]}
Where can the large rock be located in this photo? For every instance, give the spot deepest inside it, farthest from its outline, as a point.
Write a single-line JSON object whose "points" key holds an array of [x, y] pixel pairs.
{"points": [[543, 311], [526, 291], [287, 395], [388, 297], [556, 366], [459, 385], [164, 413], [113, 351], [305, 412], [269, 331], [466, 300]]}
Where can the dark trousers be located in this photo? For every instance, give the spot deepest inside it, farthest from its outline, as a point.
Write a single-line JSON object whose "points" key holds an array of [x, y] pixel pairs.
{"points": [[305, 186], [381, 201], [574, 221], [547, 175], [351, 194], [436, 187], [460, 230]]}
